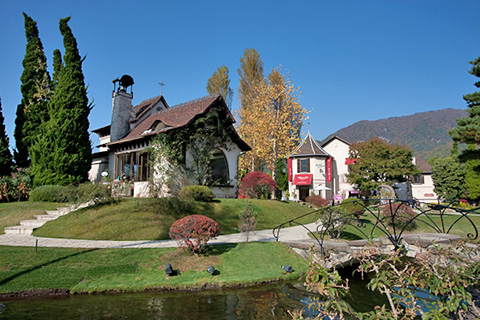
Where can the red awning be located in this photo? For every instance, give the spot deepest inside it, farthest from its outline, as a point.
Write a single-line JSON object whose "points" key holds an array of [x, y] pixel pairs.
{"points": [[302, 179]]}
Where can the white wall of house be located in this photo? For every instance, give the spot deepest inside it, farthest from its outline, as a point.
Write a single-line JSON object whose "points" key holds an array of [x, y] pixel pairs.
{"points": [[98, 166], [317, 170], [424, 192], [339, 150]]}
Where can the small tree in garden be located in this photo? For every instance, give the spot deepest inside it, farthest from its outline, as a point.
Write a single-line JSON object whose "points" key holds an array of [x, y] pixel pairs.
{"points": [[257, 185], [194, 232], [317, 201], [399, 214], [248, 220]]}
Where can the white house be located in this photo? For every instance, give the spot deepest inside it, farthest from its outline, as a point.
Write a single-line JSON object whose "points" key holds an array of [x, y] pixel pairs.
{"points": [[322, 168], [122, 150]]}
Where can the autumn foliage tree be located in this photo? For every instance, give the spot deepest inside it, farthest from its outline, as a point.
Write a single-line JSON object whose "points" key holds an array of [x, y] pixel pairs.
{"points": [[257, 185], [194, 232], [271, 123], [219, 83]]}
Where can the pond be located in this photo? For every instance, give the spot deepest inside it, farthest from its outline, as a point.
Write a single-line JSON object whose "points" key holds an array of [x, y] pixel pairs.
{"points": [[263, 302]]}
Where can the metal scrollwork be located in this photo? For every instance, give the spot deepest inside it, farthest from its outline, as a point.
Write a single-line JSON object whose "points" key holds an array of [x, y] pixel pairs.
{"points": [[391, 218]]}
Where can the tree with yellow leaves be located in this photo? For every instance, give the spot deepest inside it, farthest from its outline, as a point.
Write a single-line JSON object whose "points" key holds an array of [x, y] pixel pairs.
{"points": [[271, 123]]}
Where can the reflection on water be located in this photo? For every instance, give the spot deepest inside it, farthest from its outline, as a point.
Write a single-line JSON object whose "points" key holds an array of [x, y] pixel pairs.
{"points": [[265, 302]]}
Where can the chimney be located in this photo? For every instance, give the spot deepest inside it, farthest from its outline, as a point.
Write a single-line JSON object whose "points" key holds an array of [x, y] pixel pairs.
{"points": [[122, 108]]}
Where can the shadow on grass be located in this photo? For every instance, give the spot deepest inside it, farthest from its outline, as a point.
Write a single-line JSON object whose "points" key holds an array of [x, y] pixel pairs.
{"points": [[218, 250], [13, 277], [349, 236]]}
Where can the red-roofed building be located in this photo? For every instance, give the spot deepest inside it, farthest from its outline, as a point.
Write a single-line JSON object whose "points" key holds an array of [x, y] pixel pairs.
{"points": [[122, 150]]}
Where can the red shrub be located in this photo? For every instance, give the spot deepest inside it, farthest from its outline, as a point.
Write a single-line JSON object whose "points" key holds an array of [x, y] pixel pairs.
{"points": [[317, 201], [257, 185], [194, 232], [400, 215]]}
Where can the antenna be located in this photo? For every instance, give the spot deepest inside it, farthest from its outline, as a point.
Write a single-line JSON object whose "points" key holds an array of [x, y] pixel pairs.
{"points": [[161, 84]]}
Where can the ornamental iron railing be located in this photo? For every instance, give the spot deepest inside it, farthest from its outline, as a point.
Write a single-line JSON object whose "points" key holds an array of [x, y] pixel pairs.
{"points": [[387, 217]]}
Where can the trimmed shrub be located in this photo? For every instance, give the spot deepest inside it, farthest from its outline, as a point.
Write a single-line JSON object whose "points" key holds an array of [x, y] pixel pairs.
{"points": [[196, 193], [257, 185], [52, 193], [172, 206], [96, 192], [193, 232], [352, 206], [317, 201], [399, 214]]}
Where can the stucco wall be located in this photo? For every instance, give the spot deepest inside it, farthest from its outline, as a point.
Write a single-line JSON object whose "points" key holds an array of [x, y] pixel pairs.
{"points": [[425, 192]]}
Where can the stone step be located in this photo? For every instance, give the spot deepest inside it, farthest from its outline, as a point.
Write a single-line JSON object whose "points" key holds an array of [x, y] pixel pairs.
{"points": [[19, 230], [48, 216], [33, 223]]}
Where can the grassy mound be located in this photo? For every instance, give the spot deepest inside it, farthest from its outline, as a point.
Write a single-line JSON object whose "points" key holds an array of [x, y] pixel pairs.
{"points": [[150, 219], [12, 213]]}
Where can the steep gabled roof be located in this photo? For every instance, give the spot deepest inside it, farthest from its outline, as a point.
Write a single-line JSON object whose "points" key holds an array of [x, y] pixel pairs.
{"points": [[145, 106], [333, 137], [422, 165], [176, 117], [309, 148]]}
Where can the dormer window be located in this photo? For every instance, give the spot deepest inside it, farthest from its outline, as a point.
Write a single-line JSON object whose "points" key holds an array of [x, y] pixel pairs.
{"points": [[158, 125]]}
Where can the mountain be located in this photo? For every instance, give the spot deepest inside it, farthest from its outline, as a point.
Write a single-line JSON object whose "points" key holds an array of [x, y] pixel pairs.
{"points": [[425, 133]]}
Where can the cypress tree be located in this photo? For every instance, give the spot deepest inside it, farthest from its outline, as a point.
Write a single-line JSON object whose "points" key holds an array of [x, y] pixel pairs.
{"points": [[35, 88], [57, 67], [62, 155], [6, 162]]}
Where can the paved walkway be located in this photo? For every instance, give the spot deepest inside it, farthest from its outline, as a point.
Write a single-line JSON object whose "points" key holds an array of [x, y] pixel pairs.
{"points": [[290, 234]]}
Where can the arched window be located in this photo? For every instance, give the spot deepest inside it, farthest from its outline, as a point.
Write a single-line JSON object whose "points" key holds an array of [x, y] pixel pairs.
{"points": [[218, 168]]}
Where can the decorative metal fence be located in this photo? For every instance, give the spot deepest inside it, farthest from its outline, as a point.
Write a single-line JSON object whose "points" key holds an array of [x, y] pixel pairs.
{"points": [[386, 217]]}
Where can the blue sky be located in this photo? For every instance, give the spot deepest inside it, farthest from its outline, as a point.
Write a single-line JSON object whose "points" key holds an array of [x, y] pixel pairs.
{"points": [[353, 60]]}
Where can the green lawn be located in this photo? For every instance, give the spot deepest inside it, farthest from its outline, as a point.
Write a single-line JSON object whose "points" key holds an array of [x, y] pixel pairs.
{"points": [[12, 212], [461, 228], [98, 270], [149, 219]]}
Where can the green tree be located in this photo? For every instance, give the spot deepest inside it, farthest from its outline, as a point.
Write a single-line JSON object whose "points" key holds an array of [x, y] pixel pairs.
{"points": [[6, 162], [379, 163], [471, 158], [220, 84], [57, 67], [448, 176], [248, 221], [468, 128], [62, 154], [251, 74], [468, 131], [35, 88]]}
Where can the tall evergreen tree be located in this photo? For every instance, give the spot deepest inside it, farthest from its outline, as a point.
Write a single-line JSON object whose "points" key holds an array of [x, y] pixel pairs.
{"points": [[468, 131], [32, 111], [6, 162], [251, 74], [57, 67], [220, 84], [62, 155]]}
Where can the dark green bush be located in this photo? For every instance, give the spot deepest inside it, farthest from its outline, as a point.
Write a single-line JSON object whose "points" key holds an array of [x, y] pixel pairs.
{"points": [[352, 206], [197, 193], [52, 193], [96, 192], [172, 206]]}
